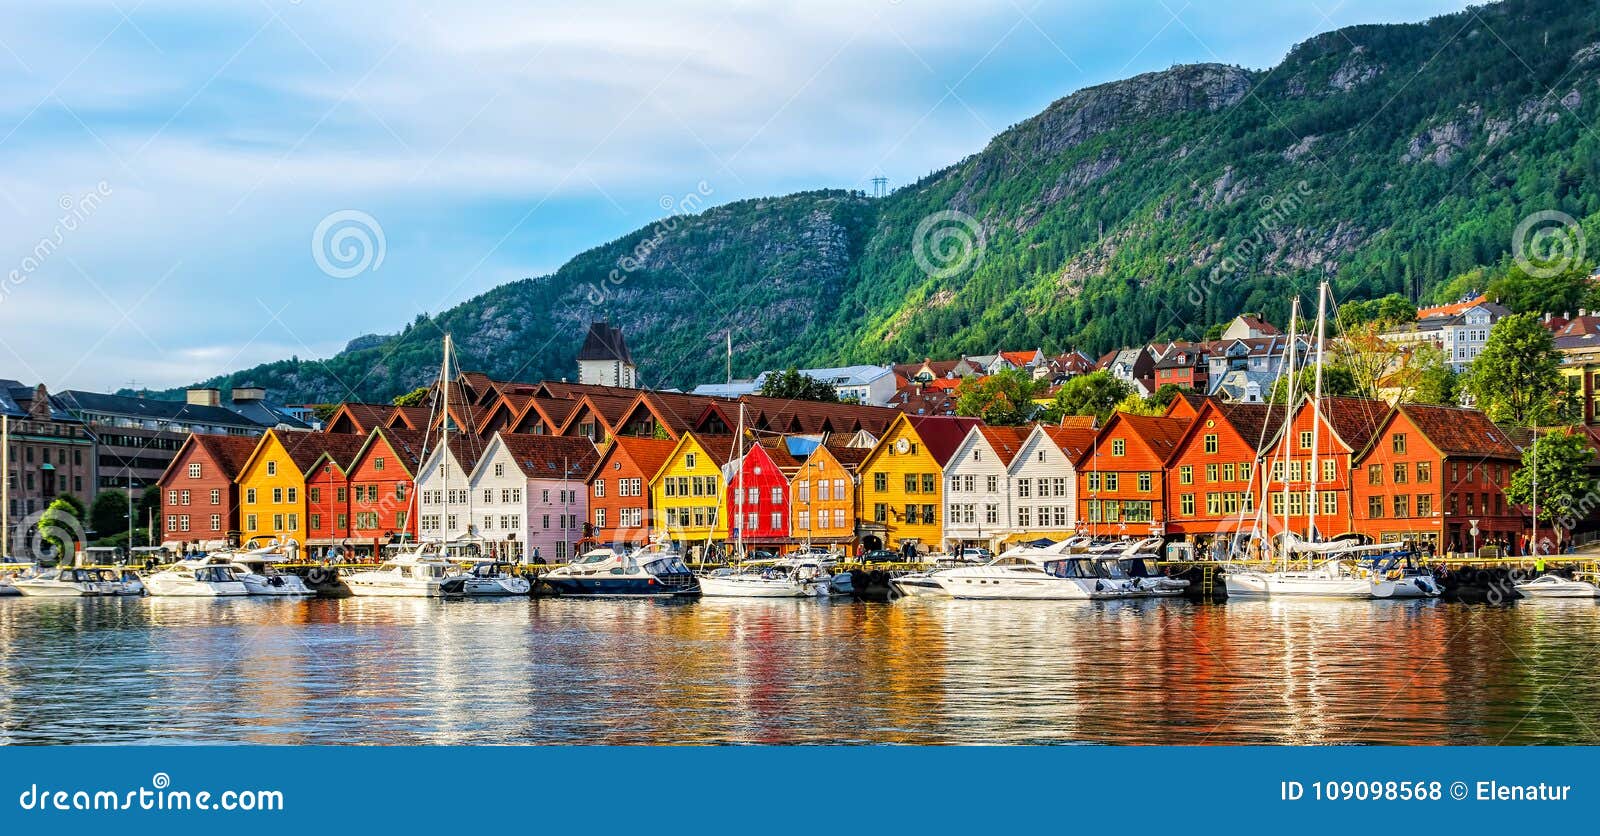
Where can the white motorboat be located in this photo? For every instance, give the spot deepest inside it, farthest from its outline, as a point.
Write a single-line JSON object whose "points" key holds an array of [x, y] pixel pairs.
{"points": [[68, 582], [121, 580], [258, 571], [195, 578], [420, 572], [1023, 577], [1555, 586], [777, 578], [487, 579], [1136, 562], [654, 571], [917, 585]]}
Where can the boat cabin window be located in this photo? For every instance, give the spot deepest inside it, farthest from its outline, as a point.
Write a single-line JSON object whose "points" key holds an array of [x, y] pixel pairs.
{"points": [[670, 565], [1110, 569], [213, 574]]}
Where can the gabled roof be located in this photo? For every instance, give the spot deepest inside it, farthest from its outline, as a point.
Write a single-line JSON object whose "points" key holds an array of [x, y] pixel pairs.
{"points": [[1257, 424], [1020, 358], [675, 412], [776, 451], [230, 452], [810, 417], [1354, 420], [339, 448], [408, 446], [1077, 422], [553, 411], [1158, 434], [849, 458], [466, 450], [609, 409], [1454, 431], [647, 454], [550, 456], [1005, 441], [359, 418], [1073, 441], [941, 434], [411, 417]]}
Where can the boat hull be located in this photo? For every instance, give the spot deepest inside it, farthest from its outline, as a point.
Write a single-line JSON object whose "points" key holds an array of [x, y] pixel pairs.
{"points": [[56, 590], [619, 587], [714, 587], [1015, 590], [1277, 585], [391, 589], [923, 587], [1559, 588], [195, 589]]}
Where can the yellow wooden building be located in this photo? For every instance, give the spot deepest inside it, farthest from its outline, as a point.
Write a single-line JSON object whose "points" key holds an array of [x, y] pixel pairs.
{"points": [[901, 485], [272, 485], [687, 494]]}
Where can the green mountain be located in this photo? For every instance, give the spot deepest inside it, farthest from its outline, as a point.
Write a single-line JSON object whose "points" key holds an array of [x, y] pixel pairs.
{"points": [[1387, 158]]}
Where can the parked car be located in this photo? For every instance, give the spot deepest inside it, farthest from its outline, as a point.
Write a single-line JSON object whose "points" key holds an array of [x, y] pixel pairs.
{"points": [[881, 556]]}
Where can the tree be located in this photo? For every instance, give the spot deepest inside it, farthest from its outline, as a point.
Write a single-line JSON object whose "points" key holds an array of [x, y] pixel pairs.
{"points": [[1517, 378], [1433, 380], [1337, 381], [1214, 332], [791, 384], [415, 397], [1003, 399], [324, 411], [1096, 393], [61, 524], [109, 513], [1164, 395], [1137, 405], [1386, 312], [1565, 292], [1561, 460]]}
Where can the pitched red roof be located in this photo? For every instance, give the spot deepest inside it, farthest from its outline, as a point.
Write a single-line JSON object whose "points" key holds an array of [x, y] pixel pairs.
{"points": [[810, 417], [942, 434], [1160, 433], [1256, 423], [1461, 432], [1354, 420], [1073, 441], [230, 452], [407, 445], [648, 454], [361, 417], [550, 456], [1006, 441], [411, 417], [1453, 308]]}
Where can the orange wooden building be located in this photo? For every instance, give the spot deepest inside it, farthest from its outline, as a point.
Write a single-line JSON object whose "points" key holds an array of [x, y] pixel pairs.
{"points": [[1122, 478], [1212, 484]]}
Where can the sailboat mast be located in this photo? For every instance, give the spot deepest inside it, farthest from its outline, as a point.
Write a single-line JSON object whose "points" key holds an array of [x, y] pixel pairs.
{"points": [[1288, 411], [5, 487], [738, 522], [1316, 415], [444, 435]]}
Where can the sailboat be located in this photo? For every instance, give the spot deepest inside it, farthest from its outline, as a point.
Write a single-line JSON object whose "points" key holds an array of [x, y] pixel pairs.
{"points": [[1328, 570]]}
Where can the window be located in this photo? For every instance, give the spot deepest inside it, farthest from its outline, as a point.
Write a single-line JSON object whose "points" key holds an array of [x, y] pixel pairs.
{"points": [[930, 483], [880, 512], [1375, 507], [880, 481], [277, 496], [216, 522], [991, 513], [172, 497], [1402, 505], [1374, 474], [1211, 473], [488, 495], [1093, 480], [277, 522], [194, 470], [994, 484], [599, 487], [1186, 504], [1210, 442], [1305, 439], [1424, 504], [1111, 481], [315, 494], [1327, 470], [777, 522], [688, 461], [1399, 443], [316, 521], [803, 520], [1144, 482], [1401, 473], [377, 464], [272, 468], [499, 469], [1118, 447], [1227, 473], [1424, 472], [1024, 488], [250, 495], [1186, 474], [911, 483], [339, 494], [1330, 503], [1024, 516], [928, 515], [838, 518]]}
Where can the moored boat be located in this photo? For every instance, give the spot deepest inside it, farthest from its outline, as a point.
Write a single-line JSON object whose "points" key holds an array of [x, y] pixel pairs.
{"points": [[64, 582], [195, 578], [1555, 586], [653, 571]]}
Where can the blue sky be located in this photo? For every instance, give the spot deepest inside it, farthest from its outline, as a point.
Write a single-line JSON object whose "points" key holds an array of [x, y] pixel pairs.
{"points": [[165, 164]]}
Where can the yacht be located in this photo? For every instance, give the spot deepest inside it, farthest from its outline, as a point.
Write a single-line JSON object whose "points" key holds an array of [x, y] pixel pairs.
{"points": [[1023, 577], [68, 582], [1555, 586], [653, 571], [1328, 579], [9, 572], [195, 578], [487, 579], [1136, 563], [256, 569], [1397, 575], [420, 572], [120, 580], [917, 585], [792, 577]]}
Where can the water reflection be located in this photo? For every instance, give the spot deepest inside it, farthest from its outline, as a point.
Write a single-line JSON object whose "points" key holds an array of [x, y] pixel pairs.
{"points": [[719, 671]]}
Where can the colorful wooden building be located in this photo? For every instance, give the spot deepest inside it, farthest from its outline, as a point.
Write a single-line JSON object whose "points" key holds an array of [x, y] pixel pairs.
{"points": [[620, 509], [1044, 481], [1334, 430], [1122, 477], [199, 500], [272, 483], [1213, 486], [1433, 474], [978, 492], [382, 483], [327, 497], [530, 497], [687, 493], [822, 499], [758, 493], [902, 482]]}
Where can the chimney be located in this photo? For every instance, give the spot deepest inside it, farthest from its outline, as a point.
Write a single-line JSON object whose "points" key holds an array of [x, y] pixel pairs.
{"points": [[204, 396], [247, 394]]}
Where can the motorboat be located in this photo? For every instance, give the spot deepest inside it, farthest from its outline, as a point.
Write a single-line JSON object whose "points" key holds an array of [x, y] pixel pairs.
{"points": [[419, 572], [120, 580], [654, 571], [774, 578], [1397, 575], [9, 572], [257, 570], [487, 579], [917, 585], [1021, 577], [1137, 562], [1555, 586], [195, 578], [65, 582]]}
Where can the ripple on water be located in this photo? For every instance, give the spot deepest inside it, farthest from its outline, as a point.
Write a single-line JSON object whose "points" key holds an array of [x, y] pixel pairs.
{"points": [[724, 671]]}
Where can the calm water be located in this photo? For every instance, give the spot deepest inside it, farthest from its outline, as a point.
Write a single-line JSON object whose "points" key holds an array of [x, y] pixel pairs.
{"points": [[521, 671]]}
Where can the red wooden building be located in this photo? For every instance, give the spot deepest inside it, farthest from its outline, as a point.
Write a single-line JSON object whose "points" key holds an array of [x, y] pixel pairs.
{"points": [[199, 500], [328, 492], [761, 513], [381, 477], [619, 489], [1122, 477], [1430, 473], [1346, 427], [1212, 484]]}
